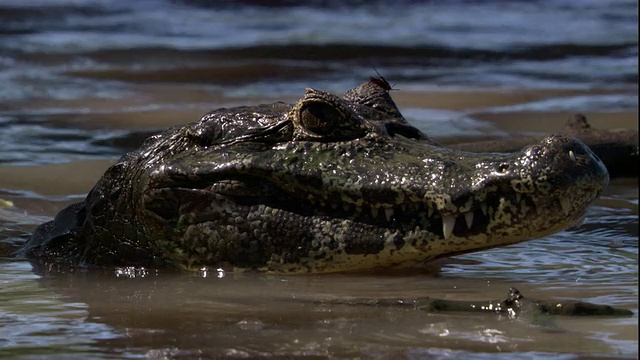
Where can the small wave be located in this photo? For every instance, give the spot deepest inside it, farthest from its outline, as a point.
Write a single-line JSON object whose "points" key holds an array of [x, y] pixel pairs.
{"points": [[599, 103]]}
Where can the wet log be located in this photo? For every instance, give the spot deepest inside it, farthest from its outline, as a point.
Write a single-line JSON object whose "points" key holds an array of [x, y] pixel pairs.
{"points": [[513, 306], [618, 149]]}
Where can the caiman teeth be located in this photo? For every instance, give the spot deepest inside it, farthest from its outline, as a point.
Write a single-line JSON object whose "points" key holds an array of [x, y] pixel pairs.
{"points": [[483, 207], [468, 218], [565, 204], [448, 222], [388, 213]]}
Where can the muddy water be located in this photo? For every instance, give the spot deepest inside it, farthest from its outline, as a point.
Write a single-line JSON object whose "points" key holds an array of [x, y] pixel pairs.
{"points": [[85, 81], [134, 313]]}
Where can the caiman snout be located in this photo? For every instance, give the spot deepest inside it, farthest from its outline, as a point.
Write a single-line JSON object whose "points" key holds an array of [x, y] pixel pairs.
{"points": [[560, 161], [556, 180]]}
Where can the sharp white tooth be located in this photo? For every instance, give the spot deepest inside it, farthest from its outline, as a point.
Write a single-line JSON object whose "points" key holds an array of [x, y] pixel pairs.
{"points": [[468, 218], [429, 212], [483, 207], [388, 213], [374, 212], [565, 204], [448, 222]]}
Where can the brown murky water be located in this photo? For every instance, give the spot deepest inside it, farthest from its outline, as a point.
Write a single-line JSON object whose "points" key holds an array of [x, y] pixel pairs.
{"points": [[136, 313], [86, 81]]}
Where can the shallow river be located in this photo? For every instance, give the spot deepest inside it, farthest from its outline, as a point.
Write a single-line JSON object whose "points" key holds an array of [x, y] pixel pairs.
{"points": [[86, 81]]}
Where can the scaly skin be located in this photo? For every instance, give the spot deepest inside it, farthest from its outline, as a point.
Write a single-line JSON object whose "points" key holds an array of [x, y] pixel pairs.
{"points": [[328, 184]]}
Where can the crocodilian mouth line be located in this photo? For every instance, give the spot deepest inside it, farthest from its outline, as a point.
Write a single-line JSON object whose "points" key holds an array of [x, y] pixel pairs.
{"points": [[410, 214], [405, 216]]}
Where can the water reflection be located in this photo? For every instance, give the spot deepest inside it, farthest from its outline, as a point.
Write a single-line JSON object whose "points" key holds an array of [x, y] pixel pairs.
{"points": [[136, 312]]}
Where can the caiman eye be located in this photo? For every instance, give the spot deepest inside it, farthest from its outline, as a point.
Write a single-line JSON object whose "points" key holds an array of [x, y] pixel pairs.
{"points": [[319, 118], [324, 121]]}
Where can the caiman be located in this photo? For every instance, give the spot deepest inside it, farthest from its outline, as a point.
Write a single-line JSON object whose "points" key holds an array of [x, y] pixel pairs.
{"points": [[324, 185]]}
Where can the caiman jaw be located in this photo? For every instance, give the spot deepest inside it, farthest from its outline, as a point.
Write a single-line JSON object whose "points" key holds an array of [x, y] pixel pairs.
{"points": [[481, 217]]}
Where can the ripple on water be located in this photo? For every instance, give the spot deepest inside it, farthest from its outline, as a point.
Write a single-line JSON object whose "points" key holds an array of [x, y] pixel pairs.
{"points": [[602, 250], [35, 321]]}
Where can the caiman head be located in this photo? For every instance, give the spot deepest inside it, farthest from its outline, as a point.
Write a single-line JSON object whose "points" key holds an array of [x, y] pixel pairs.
{"points": [[328, 184]]}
